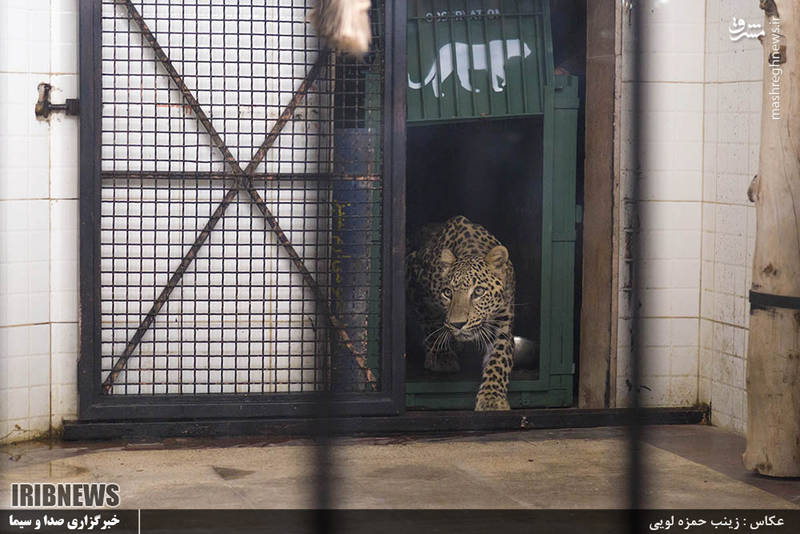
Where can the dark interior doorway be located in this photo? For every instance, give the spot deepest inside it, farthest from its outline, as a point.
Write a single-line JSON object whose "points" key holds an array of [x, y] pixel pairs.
{"points": [[490, 172]]}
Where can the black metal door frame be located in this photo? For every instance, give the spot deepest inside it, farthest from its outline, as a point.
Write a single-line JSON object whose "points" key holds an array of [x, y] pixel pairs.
{"points": [[94, 404]]}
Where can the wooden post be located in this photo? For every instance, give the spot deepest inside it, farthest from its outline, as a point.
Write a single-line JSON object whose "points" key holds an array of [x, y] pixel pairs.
{"points": [[773, 354]]}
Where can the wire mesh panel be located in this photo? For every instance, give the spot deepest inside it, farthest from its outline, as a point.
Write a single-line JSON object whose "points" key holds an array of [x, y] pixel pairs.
{"points": [[241, 194]]}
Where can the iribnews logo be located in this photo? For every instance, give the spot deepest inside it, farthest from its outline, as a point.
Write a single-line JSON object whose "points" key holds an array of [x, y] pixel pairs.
{"points": [[64, 495]]}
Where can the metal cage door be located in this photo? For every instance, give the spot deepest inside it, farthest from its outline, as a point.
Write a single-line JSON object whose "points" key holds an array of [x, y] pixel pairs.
{"points": [[239, 216]]}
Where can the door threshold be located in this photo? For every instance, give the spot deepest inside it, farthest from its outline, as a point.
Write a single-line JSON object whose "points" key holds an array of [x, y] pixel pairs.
{"points": [[412, 422]]}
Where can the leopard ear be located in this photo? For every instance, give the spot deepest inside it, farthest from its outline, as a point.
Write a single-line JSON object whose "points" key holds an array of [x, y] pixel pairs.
{"points": [[497, 257], [447, 257]]}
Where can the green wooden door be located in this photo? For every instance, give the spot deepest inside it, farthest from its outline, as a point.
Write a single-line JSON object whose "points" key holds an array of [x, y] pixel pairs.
{"points": [[493, 59]]}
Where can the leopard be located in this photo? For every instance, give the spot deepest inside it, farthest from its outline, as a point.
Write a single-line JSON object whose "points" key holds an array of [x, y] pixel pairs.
{"points": [[461, 288]]}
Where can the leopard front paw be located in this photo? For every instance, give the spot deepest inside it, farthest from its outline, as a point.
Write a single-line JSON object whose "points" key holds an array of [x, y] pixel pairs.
{"points": [[486, 402]]}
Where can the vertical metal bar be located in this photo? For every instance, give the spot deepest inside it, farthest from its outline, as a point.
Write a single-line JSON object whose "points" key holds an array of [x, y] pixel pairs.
{"points": [[323, 459], [483, 20], [394, 200], [470, 56], [453, 53], [522, 62], [547, 55], [89, 365], [437, 80], [504, 48], [321, 421], [635, 431]]}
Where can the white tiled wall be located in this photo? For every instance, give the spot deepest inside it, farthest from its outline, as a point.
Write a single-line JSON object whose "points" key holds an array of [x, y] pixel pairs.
{"points": [[731, 139], [670, 208], [702, 117], [38, 219]]}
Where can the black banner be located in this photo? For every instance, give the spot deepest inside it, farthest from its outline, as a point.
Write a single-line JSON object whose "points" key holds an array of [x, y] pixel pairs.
{"points": [[413, 521]]}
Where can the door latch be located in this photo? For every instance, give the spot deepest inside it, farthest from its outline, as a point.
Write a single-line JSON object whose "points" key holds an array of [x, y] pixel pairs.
{"points": [[44, 107], [628, 6]]}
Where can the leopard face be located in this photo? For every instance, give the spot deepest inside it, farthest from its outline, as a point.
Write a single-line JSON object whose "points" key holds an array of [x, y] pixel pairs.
{"points": [[472, 293]]}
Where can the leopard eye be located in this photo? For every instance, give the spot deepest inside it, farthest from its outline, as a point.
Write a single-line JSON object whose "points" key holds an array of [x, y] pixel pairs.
{"points": [[447, 292], [479, 291]]}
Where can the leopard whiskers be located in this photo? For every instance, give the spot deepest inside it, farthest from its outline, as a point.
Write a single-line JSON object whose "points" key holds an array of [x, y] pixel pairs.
{"points": [[491, 329], [483, 339], [444, 340], [441, 339], [486, 336], [435, 332]]}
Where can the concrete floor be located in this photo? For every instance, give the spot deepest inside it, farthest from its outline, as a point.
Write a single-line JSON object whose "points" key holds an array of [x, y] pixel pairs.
{"points": [[689, 467]]}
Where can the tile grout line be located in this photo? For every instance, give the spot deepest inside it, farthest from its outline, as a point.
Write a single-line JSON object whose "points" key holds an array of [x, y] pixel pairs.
{"points": [[702, 197], [50, 237]]}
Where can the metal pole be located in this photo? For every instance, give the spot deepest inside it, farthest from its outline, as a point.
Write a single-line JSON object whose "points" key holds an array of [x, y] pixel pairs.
{"points": [[635, 430]]}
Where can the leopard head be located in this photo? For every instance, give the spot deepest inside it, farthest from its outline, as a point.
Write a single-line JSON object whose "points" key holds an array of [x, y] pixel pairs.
{"points": [[473, 291]]}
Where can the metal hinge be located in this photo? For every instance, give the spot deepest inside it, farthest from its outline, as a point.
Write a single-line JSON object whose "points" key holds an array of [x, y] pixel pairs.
{"points": [[763, 301], [578, 214], [44, 107]]}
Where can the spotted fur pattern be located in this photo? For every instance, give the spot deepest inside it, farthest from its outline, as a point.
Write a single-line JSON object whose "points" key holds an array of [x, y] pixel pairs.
{"points": [[461, 285]]}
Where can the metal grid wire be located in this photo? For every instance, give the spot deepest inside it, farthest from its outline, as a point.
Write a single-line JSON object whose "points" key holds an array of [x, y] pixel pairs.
{"points": [[221, 119]]}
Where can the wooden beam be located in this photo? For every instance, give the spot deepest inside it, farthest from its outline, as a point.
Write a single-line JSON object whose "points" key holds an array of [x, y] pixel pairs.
{"points": [[598, 329]]}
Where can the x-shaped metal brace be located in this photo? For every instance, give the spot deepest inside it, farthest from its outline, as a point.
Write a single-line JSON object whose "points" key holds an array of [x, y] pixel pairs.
{"points": [[242, 182]]}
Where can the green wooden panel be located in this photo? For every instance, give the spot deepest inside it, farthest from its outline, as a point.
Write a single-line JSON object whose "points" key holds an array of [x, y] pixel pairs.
{"points": [[563, 289], [551, 398], [470, 59], [566, 91], [565, 147], [564, 214], [546, 319], [461, 395], [469, 386]]}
